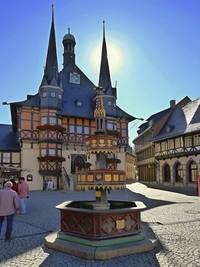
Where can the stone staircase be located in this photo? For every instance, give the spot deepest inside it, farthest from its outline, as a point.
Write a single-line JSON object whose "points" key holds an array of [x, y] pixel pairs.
{"points": [[68, 180]]}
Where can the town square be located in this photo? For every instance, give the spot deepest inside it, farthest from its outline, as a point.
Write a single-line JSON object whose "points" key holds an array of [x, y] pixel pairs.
{"points": [[100, 158]]}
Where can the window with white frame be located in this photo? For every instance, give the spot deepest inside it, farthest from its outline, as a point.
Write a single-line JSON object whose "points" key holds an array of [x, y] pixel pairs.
{"points": [[110, 126], [53, 94], [52, 120], [177, 142], [164, 146], [171, 143], [6, 157], [197, 139], [43, 152], [59, 121], [43, 120], [52, 152], [188, 141], [86, 130], [71, 128], [79, 129], [44, 94]]}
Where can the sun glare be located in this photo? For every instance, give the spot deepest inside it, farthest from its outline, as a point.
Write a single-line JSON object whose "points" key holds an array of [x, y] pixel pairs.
{"points": [[115, 57]]}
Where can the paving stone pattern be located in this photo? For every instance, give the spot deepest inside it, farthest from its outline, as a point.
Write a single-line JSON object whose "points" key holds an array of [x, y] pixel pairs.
{"points": [[174, 218]]}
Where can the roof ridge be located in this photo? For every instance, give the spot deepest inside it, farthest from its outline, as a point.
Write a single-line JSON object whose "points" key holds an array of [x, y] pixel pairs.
{"points": [[5, 124]]}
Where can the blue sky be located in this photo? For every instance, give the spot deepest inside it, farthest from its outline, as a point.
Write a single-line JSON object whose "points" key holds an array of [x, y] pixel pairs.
{"points": [[160, 41]]}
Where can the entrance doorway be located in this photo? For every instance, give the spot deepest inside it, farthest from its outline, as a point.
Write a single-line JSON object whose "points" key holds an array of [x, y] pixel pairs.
{"points": [[77, 162], [166, 173]]}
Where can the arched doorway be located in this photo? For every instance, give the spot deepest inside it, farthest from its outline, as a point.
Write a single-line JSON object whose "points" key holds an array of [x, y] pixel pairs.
{"points": [[77, 163], [193, 172], [166, 173], [178, 172]]}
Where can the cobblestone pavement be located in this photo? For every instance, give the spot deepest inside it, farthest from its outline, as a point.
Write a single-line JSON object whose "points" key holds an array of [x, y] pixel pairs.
{"points": [[174, 218]]}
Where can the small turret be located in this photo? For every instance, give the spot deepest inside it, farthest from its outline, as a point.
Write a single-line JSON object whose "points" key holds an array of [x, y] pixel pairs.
{"points": [[100, 113], [69, 45]]}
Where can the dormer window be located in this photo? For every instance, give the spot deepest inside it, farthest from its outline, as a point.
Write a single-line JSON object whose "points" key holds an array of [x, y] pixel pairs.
{"points": [[169, 128], [74, 78], [79, 103], [53, 94]]}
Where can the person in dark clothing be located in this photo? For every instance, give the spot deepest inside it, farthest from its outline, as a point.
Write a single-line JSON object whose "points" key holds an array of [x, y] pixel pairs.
{"points": [[15, 185]]}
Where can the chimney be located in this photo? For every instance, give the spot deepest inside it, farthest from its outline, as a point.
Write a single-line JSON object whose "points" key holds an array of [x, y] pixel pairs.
{"points": [[172, 103]]}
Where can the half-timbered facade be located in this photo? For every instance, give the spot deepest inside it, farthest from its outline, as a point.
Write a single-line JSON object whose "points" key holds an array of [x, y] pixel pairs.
{"points": [[151, 154], [51, 127], [177, 146]]}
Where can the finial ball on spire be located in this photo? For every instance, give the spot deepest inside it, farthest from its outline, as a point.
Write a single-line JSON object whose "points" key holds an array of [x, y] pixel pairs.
{"points": [[69, 37]]}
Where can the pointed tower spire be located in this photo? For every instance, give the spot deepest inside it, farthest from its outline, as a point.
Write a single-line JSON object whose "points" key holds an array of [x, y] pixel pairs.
{"points": [[104, 76], [51, 67]]}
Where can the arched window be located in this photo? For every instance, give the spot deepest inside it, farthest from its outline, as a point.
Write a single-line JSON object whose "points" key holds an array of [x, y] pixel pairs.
{"points": [[193, 172], [166, 173], [178, 173], [101, 122]]}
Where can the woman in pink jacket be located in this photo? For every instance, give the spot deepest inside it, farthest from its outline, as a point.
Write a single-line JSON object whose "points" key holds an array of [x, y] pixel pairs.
{"points": [[8, 207]]}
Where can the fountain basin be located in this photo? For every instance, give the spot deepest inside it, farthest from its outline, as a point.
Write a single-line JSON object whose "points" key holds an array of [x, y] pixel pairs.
{"points": [[78, 218]]}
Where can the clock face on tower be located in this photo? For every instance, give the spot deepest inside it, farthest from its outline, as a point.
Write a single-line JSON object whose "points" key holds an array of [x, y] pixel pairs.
{"points": [[74, 78]]}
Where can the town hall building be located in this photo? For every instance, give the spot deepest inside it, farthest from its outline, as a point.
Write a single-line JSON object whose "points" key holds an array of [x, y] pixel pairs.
{"points": [[49, 130]]}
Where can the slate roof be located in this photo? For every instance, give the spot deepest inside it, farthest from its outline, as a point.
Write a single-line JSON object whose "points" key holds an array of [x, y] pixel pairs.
{"points": [[152, 120], [8, 139], [104, 75], [183, 120], [73, 93], [157, 116], [83, 92], [32, 101]]}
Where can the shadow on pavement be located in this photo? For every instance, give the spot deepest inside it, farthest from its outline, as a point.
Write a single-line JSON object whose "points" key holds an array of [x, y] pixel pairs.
{"points": [[129, 195], [190, 191], [42, 218], [147, 259]]}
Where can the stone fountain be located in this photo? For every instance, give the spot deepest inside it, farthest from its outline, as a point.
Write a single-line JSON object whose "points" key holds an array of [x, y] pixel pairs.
{"points": [[101, 229]]}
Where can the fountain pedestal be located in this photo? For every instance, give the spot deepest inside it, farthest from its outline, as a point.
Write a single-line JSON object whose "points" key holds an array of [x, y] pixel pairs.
{"points": [[101, 229], [101, 234]]}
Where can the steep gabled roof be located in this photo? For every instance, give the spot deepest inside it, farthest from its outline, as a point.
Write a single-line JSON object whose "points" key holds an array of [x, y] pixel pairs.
{"points": [[104, 76], [51, 67], [184, 119], [8, 139]]}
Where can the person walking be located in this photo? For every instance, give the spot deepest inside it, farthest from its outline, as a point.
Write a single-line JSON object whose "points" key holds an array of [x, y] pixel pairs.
{"points": [[23, 192], [15, 185], [50, 185], [9, 204]]}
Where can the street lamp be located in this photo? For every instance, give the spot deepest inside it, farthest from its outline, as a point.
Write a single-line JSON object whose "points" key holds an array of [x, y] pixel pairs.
{"points": [[5, 103]]}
